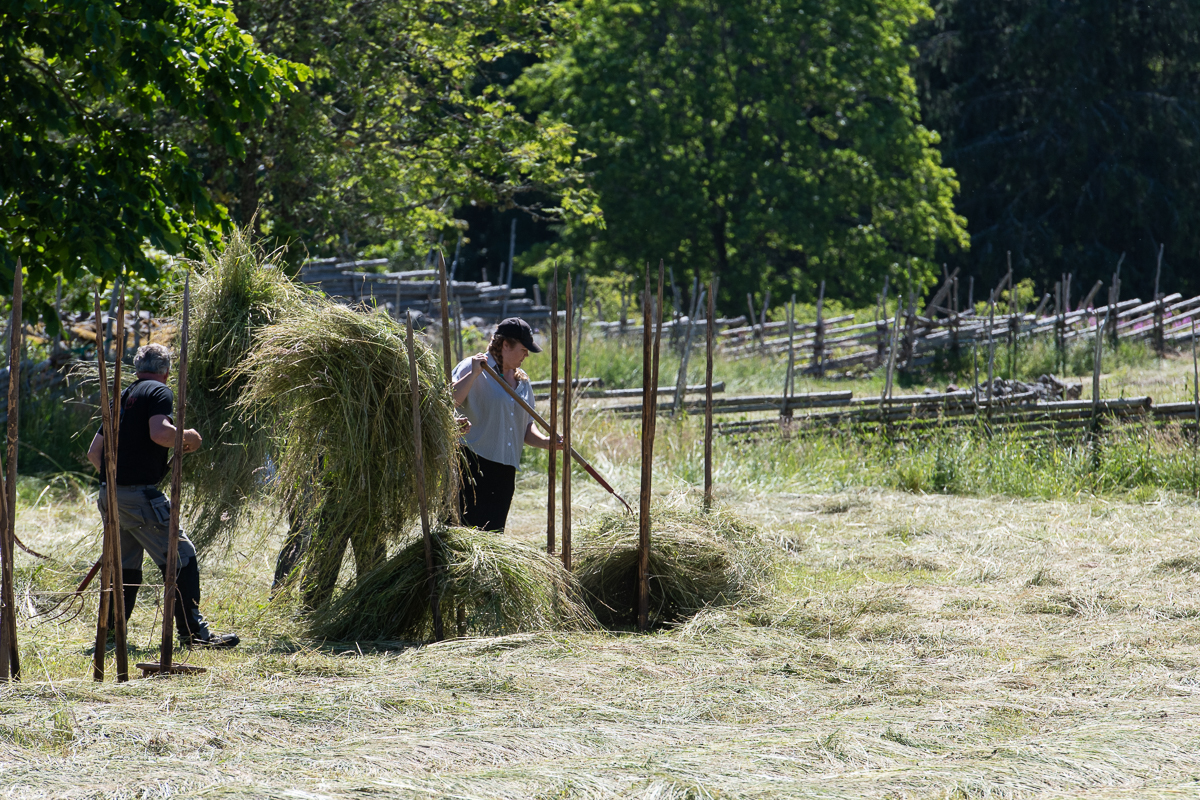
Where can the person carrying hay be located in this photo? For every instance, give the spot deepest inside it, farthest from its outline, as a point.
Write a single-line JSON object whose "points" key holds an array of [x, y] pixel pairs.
{"points": [[144, 439], [499, 427]]}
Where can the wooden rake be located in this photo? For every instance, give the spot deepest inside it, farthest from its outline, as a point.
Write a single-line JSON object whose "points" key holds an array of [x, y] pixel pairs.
{"points": [[583, 462]]}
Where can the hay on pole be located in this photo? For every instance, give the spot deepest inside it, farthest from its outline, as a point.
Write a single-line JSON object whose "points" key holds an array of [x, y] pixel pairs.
{"points": [[566, 425], [169, 571], [239, 291], [419, 474], [10, 660], [336, 382], [500, 585], [699, 559]]}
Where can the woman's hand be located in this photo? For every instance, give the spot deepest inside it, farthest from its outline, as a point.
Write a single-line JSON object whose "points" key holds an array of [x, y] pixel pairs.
{"points": [[477, 362], [464, 425]]}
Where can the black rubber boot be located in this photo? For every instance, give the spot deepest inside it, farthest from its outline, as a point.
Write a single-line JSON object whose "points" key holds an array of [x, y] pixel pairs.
{"points": [[192, 629]]}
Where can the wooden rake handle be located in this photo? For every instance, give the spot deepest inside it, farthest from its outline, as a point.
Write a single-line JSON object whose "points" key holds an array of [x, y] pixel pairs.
{"points": [[487, 368]]}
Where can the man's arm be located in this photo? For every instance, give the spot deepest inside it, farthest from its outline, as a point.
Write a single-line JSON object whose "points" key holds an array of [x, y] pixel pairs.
{"points": [[163, 433]]}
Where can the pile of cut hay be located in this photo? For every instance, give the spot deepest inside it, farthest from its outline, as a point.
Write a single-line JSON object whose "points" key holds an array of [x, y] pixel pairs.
{"points": [[486, 584], [335, 381], [235, 293], [696, 560]]}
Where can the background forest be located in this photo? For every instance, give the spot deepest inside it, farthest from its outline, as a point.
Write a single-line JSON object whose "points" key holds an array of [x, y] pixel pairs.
{"points": [[773, 143]]}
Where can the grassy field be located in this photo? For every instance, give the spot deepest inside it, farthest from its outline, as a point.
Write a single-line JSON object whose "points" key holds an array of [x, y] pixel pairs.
{"points": [[1032, 634]]}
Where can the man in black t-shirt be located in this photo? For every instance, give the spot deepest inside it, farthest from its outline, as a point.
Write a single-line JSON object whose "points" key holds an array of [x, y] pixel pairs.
{"points": [[146, 435]]}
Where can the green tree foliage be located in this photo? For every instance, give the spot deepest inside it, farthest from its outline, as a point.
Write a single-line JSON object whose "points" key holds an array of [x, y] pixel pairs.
{"points": [[84, 181], [403, 121], [1073, 127], [774, 143]]}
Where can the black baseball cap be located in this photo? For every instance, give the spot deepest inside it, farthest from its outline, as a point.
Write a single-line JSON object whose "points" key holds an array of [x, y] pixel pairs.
{"points": [[517, 328]]}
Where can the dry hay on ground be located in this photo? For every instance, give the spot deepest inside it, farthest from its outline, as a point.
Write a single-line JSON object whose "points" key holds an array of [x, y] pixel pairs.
{"points": [[696, 560], [336, 381], [235, 294], [486, 585]]}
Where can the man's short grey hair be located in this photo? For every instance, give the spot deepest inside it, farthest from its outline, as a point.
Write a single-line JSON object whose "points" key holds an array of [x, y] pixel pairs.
{"points": [[152, 358]]}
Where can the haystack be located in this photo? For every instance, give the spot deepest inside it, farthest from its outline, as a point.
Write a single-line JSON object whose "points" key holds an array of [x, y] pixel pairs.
{"points": [[335, 382], [486, 584], [696, 560], [235, 293]]}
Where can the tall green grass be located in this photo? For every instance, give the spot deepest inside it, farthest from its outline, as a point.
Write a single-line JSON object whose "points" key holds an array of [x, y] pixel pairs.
{"points": [[1126, 460]]}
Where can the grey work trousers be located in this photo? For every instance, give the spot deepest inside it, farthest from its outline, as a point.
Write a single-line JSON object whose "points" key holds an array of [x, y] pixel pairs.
{"points": [[145, 517], [145, 514]]}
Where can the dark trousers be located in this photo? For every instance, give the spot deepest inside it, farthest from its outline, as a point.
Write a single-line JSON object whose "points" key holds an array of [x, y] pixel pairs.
{"points": [[487, 492]]}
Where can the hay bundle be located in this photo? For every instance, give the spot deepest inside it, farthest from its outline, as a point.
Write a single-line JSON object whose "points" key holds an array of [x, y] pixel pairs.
{"points": [[235, 294], [486, 584], [696, 560], [335, 382]]}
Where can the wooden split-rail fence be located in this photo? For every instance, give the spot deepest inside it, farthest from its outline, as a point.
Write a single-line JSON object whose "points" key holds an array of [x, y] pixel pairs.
{"points": [[418, 291], [839, 343]]}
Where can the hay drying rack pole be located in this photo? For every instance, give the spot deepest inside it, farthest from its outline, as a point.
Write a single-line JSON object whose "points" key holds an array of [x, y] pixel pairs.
{"points": [[422, 500], [566, 425], [448, 364], [649, 420], [708, 397], [112, 580], [583, 462], [166, 649], [552, 301], [10, 662]]}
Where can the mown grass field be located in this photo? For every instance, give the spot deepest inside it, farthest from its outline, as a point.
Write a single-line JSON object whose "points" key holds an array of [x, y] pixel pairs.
{"points": [[1034, 635]]}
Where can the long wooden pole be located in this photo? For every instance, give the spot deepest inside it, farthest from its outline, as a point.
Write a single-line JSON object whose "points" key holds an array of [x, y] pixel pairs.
{"points": [[540, 420], [113, 527], [566, 426], [170, 578], [419, 468], [1195, 405], [650, 358], [106, 553], [648, 413], [708, 396], [10, 660], [552, 482], [448, 364]]}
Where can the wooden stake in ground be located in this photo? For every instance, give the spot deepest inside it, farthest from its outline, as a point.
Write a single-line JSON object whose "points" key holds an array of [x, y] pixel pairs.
{"points": [[788, 387], [708, 394], [566, 434], [552, 481], [891, 366], [818, 363], [991, 364], [167, 650], [649, 420], [10, 660], [1195, 405], [112, 581], [419, 469], [1098, 349], [448, 364]]}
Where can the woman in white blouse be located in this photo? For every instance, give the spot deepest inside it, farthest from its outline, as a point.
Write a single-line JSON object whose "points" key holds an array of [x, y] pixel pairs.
{"points": [[499, 427]]}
